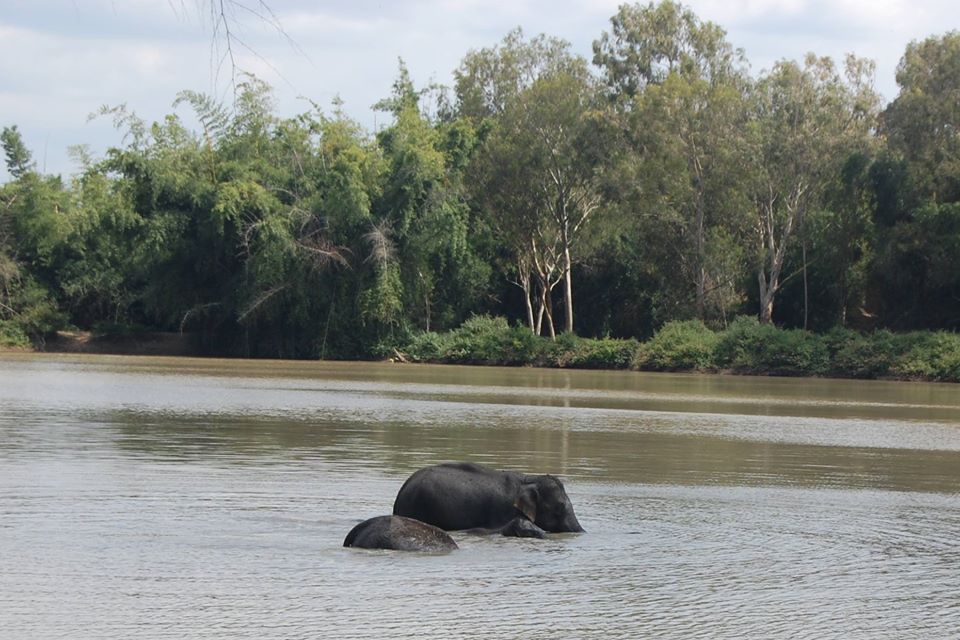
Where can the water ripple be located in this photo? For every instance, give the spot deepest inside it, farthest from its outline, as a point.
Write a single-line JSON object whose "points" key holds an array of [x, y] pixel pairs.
{"points": [[161, 506]]}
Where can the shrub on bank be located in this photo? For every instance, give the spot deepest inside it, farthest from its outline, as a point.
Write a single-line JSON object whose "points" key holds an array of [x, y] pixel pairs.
{"points": [[13, 336], [930, 356], [570, 351], [679, 346], [917, 355], [491, 340], [747, 346], [428, 346], [480, 340], [855, 355]]}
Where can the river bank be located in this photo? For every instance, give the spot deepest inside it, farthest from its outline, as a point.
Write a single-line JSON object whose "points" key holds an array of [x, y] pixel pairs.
{"points": [[745, 347], [147, 343]]}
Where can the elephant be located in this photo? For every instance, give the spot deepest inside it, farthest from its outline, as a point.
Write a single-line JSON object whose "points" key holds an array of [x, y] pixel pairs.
{"points": [[519, 527], [462, 496], [400, 534]]}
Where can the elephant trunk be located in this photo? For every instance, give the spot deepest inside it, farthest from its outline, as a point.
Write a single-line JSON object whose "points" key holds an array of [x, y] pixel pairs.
{"points": [[572, 524]]}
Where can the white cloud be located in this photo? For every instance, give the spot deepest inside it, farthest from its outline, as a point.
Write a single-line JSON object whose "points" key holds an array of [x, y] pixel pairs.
{"points": [[312, 25]]}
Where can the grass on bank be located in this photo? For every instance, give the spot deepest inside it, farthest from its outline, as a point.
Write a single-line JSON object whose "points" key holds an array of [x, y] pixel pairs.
{"points": [[744, 347]]}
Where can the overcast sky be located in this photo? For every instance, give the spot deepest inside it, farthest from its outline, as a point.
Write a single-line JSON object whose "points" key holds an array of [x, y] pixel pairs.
{"points": [[60, 60]]}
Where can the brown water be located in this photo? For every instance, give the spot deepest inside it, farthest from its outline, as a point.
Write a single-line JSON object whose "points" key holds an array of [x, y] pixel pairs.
{"points": [[181, 498]]}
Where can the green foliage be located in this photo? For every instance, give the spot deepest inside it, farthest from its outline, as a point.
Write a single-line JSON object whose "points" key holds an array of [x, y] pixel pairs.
{"points": [[428, 346], [37, 314], [661, 188], [19, 160], [683, 345], [480, 340], [914, 270], [382, 302], [488, 79], [746, 347], [921, 122], [749, 347], [913, 356], [863, 356], [930, 356], [570, 351], [13, 335], [491, 340]]}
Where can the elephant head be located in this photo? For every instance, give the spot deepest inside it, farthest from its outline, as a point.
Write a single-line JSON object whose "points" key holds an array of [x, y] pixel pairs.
{"points": [[544, 501]]}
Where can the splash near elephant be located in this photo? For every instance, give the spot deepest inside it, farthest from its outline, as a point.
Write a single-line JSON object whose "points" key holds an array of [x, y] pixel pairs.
{"points": [[465, 496]]}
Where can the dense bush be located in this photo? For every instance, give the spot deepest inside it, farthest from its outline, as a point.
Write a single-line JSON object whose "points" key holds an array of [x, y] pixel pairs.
{"points": [[679, 346], [916, 355], [491, 340], [12, 335], [587, 353], [930, 356], [747, 346], [428, 346], [854, 355], [479, 340]]}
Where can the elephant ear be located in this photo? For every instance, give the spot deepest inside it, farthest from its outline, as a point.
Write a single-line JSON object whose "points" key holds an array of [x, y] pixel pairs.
{"points": [[526, 502]]}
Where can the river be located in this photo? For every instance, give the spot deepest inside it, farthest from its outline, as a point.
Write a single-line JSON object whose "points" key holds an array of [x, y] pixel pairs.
{"points": [[192, 498]]}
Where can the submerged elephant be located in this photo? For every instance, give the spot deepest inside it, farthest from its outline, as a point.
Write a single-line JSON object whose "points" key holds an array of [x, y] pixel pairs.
{"points": [[460, 496], [399, 533], [519, 527]]}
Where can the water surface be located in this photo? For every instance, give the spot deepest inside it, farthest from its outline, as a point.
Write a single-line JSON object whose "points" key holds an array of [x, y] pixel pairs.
{"points": [[189, 498]]}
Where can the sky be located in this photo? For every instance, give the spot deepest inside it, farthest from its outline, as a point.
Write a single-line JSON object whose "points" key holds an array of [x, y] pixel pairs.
{"points": [[61, 60]]}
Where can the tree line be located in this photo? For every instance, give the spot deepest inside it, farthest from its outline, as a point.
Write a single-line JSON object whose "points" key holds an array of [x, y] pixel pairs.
{"points": [[659, 181]]}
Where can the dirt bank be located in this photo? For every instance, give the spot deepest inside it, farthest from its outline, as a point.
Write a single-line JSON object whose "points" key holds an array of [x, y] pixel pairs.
{"points": [[141, 344]]}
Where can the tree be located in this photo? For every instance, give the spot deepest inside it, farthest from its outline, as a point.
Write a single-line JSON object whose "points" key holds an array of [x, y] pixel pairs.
{"points": [[842, 231], [488, 79], [225, 18], [806, 122], [923, 122], [915, 183], [34, 227], [677, 90], [503, 173], [649, 43], [19, 159], [538, 171], [421, 237]]}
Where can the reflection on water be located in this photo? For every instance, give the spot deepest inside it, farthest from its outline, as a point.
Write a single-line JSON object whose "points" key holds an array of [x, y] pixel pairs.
{"points": [[173, 498]]}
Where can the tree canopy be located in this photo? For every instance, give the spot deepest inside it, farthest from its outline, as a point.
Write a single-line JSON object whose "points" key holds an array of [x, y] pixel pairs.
{"points": [[663, 182]]}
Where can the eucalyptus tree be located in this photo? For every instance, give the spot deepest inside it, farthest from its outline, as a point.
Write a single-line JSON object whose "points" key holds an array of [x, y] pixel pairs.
{"points": [[488, 79], [538, 169], [677, 90], [914, 274], [841, 234], [923, 122], [806, 122], [504, 174]]}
